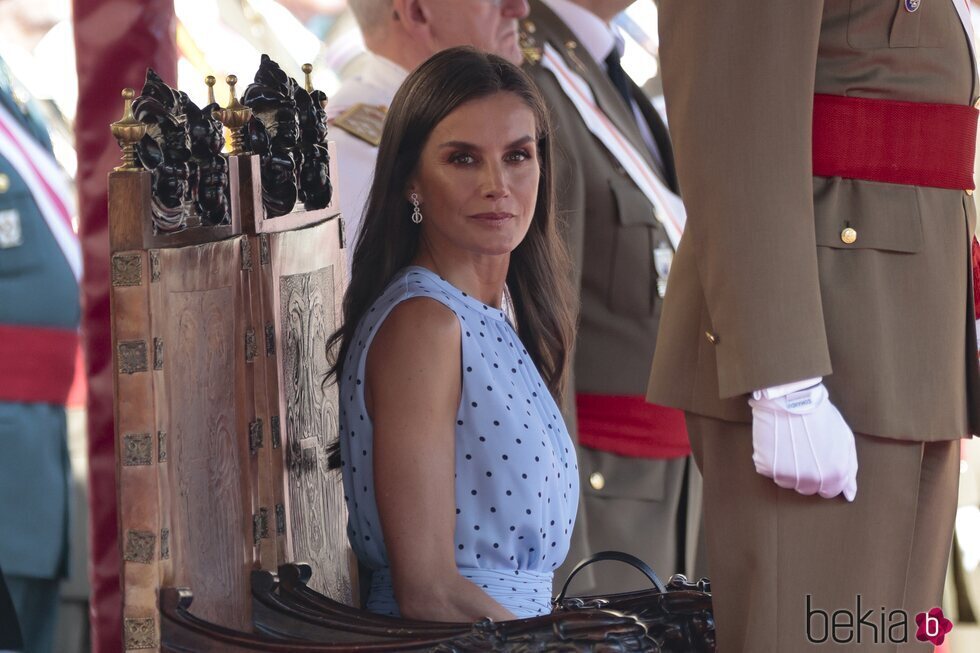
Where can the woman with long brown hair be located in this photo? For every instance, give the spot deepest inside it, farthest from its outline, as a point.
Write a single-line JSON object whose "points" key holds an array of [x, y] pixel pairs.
{"points": [[459, 475]]}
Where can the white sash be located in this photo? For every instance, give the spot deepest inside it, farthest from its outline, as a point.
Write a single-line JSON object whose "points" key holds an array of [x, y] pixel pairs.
{"points": [[668, 207], [47, 183]]}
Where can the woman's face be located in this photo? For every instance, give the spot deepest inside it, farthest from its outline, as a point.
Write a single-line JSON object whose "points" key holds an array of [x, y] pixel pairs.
{"points": [[477, 178]]}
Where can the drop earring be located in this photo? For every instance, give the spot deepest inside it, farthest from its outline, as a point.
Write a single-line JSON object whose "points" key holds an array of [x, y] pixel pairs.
{"points": [[416, 213]]}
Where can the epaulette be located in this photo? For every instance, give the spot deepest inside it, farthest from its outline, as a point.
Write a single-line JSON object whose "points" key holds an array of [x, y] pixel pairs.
{"points": [[365, 121], [530, 49]]}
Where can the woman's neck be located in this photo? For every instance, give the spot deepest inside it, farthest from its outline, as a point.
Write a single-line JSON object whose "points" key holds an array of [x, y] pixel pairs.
{"points": [[483, 278]]}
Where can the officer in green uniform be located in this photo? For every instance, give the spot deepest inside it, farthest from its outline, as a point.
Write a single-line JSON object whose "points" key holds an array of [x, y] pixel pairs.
{"points": [[39, 316]]}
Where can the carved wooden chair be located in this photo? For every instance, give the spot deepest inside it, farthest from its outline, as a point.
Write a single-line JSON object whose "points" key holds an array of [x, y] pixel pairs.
{"points": [[232, 529]]}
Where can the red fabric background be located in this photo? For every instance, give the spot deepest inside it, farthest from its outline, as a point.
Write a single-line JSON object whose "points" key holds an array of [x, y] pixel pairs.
{"points": [[115, 41]]}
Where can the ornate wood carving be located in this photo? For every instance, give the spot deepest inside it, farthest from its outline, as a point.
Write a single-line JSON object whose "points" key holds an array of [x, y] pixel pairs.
{"points": [[158, 353], [138, 449], [264, 249], [140, 634], [162, 446], [154, 266], [139, 547], [307, 317], [585, 631], [164, 543], [127, 270], [280, 519], [276, 433], [270, 339], [208, 514], [260, 525], [164, 151], [255, 436], [132, 356], [250, 346], [246, 254]]}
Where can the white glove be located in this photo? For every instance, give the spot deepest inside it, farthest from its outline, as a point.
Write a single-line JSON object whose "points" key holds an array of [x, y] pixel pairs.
{"points": [[801, 441]]}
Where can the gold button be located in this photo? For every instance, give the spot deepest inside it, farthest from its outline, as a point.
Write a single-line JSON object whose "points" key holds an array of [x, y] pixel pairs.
{"points": [[849, 235], [4, 183], [597, 481], [712, 338], [969, 191]]}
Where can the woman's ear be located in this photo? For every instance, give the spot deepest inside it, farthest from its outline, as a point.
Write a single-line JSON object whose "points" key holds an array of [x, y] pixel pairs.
{"points": [[410, 190]]}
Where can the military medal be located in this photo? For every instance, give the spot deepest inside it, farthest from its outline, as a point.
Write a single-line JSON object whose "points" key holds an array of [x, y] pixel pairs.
{"points": [[11, 234], [663, 256], [530, 49]]}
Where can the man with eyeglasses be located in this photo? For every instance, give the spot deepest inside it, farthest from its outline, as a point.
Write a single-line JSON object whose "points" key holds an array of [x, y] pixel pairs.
{"points": [[400, 35]]}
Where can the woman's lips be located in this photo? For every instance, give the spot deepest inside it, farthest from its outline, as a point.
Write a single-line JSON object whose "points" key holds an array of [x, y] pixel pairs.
{"points": [[493, 217]]}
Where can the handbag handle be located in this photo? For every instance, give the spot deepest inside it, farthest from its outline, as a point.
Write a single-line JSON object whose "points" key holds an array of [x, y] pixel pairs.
{"points": [[618, 556]]}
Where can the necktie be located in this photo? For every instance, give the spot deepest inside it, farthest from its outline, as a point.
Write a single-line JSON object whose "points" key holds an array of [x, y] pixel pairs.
{"points": [[618, 76]]}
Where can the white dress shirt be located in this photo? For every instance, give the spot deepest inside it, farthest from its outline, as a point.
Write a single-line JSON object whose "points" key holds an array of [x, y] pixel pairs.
{"points": [[599, 38]]}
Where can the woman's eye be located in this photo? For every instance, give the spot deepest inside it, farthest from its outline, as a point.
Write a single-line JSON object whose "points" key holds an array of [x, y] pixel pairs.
{"points": [[518, 155], [462, 158]]}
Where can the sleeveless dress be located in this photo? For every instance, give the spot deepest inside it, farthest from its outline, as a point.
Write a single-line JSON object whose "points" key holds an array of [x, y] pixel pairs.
{"points": [[516, 473]]}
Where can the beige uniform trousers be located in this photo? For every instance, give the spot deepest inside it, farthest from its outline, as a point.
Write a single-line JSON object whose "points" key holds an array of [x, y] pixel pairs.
{"points": [[783, 563]]}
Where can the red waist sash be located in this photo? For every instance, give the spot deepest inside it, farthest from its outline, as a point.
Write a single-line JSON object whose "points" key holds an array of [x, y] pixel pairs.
{"points": [[913, 143], [629, 426], [37, 364]]}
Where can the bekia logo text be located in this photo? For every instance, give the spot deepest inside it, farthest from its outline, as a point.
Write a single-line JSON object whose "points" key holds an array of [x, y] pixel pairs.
{"points": [[871, 625]]}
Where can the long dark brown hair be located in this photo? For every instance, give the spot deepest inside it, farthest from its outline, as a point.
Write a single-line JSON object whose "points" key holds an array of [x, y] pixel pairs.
{"points": [[538, 276]]}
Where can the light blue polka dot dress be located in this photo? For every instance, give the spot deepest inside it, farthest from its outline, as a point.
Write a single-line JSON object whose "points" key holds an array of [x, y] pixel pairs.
{"points": [[516, 473]]}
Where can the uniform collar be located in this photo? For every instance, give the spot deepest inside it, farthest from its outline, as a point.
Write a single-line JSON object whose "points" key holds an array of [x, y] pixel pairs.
{"points": [[595, 35], [384, 72]]}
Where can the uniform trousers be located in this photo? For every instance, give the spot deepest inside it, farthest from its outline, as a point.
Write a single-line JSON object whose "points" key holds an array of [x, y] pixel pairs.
{"points": [[782, 563], [650, 508], [36, 604]]}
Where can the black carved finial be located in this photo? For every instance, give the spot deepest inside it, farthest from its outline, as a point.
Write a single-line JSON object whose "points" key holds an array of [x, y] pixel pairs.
{"points": [[165, 150], [315, 188], [212, 197], [273, 134]]}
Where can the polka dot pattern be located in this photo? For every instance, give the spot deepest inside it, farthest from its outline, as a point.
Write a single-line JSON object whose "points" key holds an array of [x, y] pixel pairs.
{"points": [[516, 473]]}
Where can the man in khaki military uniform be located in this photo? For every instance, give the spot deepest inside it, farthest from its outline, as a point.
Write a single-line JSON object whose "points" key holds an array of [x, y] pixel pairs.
{"points": [[818, 329], [617, 196]]}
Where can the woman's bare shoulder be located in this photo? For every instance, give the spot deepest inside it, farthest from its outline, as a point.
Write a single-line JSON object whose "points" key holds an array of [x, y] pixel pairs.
{"points": [[421, 333]]}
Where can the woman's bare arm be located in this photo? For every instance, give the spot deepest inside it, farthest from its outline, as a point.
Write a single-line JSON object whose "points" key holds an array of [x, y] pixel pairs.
{"points": [[412, 393]]}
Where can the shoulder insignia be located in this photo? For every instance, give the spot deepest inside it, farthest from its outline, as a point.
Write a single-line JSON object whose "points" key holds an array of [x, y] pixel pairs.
{"points": [[530, 49], [570, 47], [365, 121]]}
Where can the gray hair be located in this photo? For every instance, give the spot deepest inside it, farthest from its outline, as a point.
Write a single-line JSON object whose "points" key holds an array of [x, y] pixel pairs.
{"points": [[370, 14]]}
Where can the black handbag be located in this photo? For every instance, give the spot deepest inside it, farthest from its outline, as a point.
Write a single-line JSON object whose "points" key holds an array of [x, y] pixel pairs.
{"points": [[677, 615]]}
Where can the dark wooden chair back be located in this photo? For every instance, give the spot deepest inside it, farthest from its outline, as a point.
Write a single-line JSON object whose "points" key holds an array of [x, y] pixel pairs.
{"points": [[222, 417]]}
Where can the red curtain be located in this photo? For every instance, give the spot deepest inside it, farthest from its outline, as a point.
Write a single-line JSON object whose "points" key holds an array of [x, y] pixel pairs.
{"points": [[115, 41]]}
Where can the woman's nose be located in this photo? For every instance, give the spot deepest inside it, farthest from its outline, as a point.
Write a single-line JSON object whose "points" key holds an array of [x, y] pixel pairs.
{"points": [[495, 182]]}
